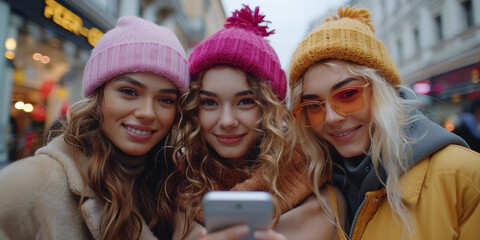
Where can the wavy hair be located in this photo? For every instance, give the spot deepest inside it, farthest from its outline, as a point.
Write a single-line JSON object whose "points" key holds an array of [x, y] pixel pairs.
{"points": [[390, 147], [271, 151], [126, 199]]}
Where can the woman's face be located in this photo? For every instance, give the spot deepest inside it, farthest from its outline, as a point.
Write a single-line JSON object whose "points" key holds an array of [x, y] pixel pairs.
{"points": [[228, 113], [348, 134], [138, 110]]}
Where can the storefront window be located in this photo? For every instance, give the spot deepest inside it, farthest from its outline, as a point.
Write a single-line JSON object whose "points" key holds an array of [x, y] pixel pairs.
{"points": [[445, 96], [44, 72]]}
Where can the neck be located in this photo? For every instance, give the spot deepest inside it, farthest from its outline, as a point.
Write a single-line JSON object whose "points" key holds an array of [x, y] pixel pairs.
{"points": [[244, 162], [134, 165]]}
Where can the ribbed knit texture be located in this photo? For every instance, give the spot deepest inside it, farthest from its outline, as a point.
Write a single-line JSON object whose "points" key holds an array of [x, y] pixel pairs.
{"points": [[240, 44], [136, 45], [348, 36], [293, 183]]}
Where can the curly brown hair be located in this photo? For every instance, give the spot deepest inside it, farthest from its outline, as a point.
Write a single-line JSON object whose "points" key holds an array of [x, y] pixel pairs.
{"points": [[126, 200], [195, 159]]}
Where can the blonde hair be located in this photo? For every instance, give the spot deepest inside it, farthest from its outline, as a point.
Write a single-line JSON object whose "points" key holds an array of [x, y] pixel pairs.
{"points": [[271, 152], [126, 199], [390, 146]]}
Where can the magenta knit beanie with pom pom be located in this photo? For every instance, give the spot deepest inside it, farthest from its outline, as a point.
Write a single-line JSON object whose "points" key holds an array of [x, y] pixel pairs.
{"points": [[136, 45], [240, 44]]}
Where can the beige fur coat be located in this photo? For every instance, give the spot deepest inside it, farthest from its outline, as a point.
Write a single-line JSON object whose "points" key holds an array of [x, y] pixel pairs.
{"points": [[39, 198]]}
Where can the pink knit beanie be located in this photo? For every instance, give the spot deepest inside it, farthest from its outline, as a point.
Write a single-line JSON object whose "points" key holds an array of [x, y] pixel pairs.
{"points": [[240, 43], [136, 45]]}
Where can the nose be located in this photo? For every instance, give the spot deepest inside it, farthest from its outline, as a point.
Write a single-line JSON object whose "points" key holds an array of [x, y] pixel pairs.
{"points": [[331, 117], [145, 110], [228, 118]]}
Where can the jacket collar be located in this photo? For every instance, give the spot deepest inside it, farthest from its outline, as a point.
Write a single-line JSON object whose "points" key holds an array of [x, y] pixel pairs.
{"points": [[412, 182], [63, 154], [92, 207], [92, 211]]}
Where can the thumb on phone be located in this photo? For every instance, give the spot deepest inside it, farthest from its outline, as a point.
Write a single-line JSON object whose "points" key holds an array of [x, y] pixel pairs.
{"points": [[268, 235], [231, 233]]}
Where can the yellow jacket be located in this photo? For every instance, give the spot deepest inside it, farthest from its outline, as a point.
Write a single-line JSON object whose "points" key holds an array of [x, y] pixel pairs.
{"points": [[442, 194]]}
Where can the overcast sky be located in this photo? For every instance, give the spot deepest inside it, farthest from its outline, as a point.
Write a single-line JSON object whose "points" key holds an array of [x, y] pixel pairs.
{"points": [[291, 20]]}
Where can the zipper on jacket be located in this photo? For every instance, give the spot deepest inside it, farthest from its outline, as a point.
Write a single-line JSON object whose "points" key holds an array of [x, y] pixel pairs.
{"points": [[356, 216]]}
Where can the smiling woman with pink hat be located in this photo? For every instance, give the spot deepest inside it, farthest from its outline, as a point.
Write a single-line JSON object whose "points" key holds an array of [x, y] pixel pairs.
{"points": [[234, 134], [104, 177]]}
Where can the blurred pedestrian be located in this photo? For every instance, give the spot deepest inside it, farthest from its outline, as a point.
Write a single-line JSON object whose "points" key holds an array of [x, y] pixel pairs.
{"points": [[11, 139], [104, 177], [468, 126]]}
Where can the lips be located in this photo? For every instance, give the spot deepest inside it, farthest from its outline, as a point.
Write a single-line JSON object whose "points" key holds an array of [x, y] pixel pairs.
{"points": [[344, 135], [138, 132], [229, 139]]}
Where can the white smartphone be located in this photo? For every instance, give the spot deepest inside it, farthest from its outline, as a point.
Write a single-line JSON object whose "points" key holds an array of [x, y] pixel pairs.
{"points": [[223, 209]]}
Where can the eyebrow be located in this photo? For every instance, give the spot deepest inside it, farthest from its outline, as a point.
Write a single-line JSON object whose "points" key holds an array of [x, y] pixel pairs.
{"points": [[142, 86], [131, 81], [342, 83], [212, 94], [337, 86]]}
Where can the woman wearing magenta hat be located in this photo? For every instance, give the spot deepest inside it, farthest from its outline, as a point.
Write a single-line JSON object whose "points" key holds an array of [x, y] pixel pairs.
{"points": [[104, 177], [234, 134], [402, 176]]}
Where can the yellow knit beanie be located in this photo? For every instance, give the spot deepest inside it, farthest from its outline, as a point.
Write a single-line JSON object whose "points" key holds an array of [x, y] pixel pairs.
{"points": [[348, 36]]}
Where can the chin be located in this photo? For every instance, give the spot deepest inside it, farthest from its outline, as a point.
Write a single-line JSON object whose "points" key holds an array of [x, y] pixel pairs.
{"points": [[230, 156], [135, 151], [348, 153]]}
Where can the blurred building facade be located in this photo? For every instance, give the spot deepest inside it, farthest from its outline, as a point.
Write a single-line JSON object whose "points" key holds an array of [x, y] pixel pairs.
{"points": [[47, 44], [436, 45]]}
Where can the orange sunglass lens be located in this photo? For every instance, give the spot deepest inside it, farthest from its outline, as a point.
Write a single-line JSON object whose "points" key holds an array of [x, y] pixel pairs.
{"points": [[315, 114], [310, 114], [347, 101], [344, 102]]}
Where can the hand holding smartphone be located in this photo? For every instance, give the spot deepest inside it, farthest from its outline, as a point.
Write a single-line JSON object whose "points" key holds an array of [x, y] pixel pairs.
{"points": [[223, 209]]}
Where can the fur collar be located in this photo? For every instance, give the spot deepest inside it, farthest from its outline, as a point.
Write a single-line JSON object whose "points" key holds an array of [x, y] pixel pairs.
{"points": [[92, 207]]}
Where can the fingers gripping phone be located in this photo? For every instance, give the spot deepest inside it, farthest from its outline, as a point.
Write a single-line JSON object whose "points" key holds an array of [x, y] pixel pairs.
{"points": [[223, 209]]}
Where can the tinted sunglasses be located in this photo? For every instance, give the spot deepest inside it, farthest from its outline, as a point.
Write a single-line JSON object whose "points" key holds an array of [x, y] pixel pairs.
{"points": [[344, 101]]}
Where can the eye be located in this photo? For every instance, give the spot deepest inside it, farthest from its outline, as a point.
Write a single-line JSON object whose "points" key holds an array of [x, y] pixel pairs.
{"points": [[128, 91], [246, 101], [208, 102], [167, 100], [347, 94], [313, 107]]}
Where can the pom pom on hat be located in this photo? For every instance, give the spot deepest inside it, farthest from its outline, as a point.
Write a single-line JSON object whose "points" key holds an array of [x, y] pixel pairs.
{"points": [[248, 20], [361, 14], [240, 44], [348, 36], [136, 45]]}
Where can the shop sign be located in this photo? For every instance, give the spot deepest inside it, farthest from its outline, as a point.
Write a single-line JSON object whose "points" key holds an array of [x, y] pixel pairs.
{"points": [[58, 16], [70, 21]]}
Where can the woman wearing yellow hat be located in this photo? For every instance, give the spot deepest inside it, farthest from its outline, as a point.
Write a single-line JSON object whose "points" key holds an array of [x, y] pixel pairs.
{"points": [[402, 175]]}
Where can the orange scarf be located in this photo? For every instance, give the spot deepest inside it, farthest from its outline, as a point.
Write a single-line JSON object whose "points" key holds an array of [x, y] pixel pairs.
{"points": [[293, 183]]}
